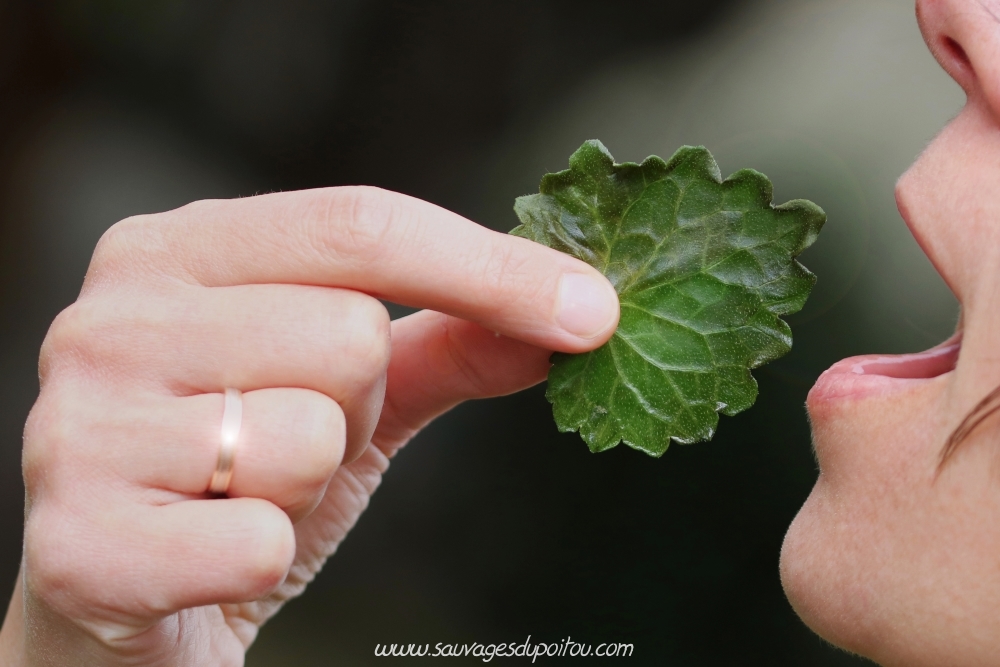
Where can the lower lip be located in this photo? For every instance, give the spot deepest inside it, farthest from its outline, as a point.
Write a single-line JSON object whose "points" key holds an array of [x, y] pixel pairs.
{"points": [[857, 377]]}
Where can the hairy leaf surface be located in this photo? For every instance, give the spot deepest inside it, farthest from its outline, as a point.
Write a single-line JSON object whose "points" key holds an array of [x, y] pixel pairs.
{"points": [[704, 268]]}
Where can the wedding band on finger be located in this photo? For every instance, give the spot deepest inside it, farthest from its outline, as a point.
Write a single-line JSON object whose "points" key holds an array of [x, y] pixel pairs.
{"points": [[232, 421]]}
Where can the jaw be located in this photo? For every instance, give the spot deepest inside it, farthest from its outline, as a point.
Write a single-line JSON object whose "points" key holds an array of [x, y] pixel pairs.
{"points": [[887, 558], [876, 457], [902, 583]]}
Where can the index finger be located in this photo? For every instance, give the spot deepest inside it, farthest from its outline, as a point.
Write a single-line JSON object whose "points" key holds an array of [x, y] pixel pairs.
{"points": [[382, 243]]}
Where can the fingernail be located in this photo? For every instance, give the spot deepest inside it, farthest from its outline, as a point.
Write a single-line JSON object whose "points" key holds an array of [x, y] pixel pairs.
{"points": [[587, 305]]}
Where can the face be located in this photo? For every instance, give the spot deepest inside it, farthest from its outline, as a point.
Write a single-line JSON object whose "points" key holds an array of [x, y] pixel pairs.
{"points": [[894, 556]]}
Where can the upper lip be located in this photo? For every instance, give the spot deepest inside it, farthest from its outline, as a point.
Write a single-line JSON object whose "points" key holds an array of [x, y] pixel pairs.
{"points": [[876, 373], [918, 235], [869, 373]]}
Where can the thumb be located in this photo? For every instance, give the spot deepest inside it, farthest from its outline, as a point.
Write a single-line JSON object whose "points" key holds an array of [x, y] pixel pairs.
{"points": [[438, 361]]}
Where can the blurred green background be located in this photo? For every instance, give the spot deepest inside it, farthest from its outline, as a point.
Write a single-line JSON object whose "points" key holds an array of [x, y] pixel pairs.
{"points": [[491, 526]]}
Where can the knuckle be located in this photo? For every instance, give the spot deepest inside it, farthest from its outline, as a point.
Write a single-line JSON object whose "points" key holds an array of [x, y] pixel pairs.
{"points": [[472, 372], [68, 330], [370, 341], [354, 223], [52, 572], [116, 250], [268, 563], [505, 273], [324, 439], [76, 337], [56, 436], [45, 437]]}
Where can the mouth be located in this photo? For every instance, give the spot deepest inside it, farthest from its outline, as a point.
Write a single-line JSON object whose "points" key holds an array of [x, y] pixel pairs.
{"points": [[857, 377]]}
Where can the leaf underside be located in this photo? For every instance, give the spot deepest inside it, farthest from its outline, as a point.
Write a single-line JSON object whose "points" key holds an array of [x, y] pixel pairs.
{"points": [[704, 268]]}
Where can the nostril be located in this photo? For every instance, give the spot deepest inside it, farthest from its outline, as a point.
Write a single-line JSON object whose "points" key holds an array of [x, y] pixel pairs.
{"points": [[957, 53]]}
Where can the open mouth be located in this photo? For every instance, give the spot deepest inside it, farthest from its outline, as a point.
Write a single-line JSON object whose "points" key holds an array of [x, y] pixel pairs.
{"points": [[857, 376], [929, 364]]}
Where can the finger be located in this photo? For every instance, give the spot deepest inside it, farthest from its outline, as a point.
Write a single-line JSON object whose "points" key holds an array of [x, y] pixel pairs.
{"points": [[249, 337], [290, 444], [439, 361], [319, 534], [382, 243], [148, 562]]}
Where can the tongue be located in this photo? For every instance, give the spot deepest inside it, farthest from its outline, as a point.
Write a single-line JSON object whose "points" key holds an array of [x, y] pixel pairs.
{"points": [[929, 364]]}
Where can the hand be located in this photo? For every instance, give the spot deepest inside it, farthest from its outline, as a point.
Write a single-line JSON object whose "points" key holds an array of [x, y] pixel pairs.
{"points": [[127, 559]]}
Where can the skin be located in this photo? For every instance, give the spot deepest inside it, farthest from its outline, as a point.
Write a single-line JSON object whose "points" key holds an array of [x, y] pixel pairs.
{"points": [[895, 555], [127, 559]]}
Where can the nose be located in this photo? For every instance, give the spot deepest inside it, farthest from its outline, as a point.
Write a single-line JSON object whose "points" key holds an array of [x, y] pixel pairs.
{"points": [[964, 36]]}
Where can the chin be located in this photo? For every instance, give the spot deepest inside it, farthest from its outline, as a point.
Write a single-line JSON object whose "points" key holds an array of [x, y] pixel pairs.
{"points": [[820, 578], [851, 557]]}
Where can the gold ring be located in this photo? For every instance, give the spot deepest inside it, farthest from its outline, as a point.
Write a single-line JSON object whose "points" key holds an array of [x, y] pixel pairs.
{"points": [[232, 420]]}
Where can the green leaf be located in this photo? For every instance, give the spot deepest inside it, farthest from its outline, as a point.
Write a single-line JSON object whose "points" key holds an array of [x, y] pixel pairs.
{"points": [[704, 268]]}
